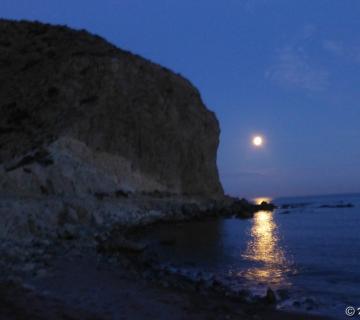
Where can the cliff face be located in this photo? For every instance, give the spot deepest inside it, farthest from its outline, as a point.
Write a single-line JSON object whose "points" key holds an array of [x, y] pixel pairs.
{"points": [[81, 116]]}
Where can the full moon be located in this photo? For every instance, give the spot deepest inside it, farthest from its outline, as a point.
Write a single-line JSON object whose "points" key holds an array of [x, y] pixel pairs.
{"points": [[257, 141]]}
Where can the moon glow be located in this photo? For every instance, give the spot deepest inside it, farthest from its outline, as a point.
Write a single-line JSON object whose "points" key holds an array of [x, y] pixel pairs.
{"points": [[257, 141]]}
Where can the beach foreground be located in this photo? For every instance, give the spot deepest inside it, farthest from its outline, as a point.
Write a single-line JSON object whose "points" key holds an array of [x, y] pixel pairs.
{"points": [[73, 280], [79, 286]]}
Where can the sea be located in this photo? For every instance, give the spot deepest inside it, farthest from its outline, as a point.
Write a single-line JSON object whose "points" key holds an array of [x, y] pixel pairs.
{"points": [[307, 251]]}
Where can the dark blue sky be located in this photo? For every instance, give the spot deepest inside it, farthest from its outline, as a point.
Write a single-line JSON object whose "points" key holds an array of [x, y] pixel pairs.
{"points": [[287, 69]]}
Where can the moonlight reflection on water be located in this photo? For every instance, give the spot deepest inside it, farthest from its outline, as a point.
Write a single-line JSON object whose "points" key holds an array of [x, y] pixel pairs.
{"points": [[263, 248]]}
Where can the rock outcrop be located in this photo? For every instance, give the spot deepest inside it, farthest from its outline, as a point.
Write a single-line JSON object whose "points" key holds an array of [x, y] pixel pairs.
{"points": [[80, 116]]}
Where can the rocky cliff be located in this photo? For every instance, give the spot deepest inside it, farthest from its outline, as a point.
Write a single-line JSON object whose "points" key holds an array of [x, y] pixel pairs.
{"points": [[80, 116]]}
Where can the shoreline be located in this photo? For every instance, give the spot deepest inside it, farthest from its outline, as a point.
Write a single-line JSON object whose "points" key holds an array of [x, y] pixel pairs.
{"points": [[81, 286], [76, 265]]}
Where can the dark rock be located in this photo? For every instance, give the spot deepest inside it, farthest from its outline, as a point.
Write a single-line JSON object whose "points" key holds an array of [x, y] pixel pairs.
{"points": [[42, 157], [294, 205], [68, 232], [27, 170], [242, 208], [44, 190], [119, 244], [340, 205], [266, 206], [296, 304], [121, 194], [270, 296], [101, 195]]}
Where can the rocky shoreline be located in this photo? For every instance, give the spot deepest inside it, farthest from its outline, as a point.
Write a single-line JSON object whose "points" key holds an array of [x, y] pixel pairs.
{"points": [[25, 263], [45, 216], [30, 238]]}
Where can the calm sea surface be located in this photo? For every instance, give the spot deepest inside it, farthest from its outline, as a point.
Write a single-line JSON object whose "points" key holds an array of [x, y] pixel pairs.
{"points": [[309, 254]]}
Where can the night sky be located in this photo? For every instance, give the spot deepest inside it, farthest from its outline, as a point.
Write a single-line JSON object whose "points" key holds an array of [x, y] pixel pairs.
{"points": [[288, 70]]}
